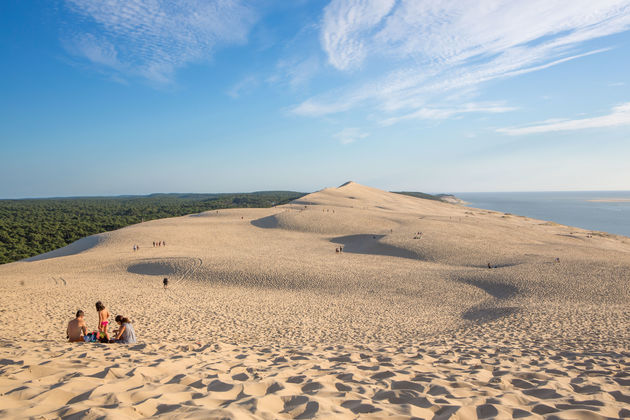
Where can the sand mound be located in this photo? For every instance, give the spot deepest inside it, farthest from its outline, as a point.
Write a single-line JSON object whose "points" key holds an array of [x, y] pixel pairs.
{"points": [[263, 319], [77, 247]]}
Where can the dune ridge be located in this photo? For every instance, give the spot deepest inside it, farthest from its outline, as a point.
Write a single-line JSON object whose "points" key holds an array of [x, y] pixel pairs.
{"points": [[264, 319]]}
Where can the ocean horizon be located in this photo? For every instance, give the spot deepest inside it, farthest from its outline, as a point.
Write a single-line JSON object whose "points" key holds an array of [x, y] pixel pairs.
{"points": [[605, 211]]}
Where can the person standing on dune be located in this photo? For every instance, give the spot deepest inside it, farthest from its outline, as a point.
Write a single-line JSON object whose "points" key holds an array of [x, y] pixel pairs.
{"points": [[103, 320]]}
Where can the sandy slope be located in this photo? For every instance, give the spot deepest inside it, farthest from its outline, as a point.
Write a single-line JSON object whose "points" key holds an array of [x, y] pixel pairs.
{"points": [[265, 319]]}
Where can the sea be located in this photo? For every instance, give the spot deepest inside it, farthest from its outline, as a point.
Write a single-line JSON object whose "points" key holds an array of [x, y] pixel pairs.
{"points": [[565, 207]]}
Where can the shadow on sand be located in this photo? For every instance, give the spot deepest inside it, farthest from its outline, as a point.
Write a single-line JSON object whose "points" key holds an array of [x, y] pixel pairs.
{"points": [[74, 248], [269, 222], [488, 314], [494, 289], [371, 245]]}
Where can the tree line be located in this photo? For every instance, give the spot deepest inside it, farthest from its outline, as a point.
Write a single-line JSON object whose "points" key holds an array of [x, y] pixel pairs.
{"points": [[30, 227]]}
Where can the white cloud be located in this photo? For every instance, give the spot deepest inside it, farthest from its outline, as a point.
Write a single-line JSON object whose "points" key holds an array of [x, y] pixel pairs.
{"points": [[444, 113], [411, 53], [243, 86], [350, 135], [619, 116], [153, 38], [346, 25], [98, 51], [297, 72]]}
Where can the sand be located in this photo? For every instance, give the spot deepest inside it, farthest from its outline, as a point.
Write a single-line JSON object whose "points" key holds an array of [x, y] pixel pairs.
{"points": [[264, 319], [610, 200]]}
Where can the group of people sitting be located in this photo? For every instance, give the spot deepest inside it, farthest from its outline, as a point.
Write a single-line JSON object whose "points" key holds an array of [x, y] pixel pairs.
{"points": [[77, 328]]}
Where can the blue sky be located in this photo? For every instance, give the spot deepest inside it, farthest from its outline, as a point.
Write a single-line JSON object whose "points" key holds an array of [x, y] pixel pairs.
{"points": [[102, 97]]}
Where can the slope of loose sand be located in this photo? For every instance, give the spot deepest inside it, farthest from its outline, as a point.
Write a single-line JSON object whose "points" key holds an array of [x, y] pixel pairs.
{"points": [[264, 319]]}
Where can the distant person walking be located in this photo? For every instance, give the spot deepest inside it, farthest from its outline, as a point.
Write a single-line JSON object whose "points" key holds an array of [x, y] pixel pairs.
{"points": [[165, 283]]}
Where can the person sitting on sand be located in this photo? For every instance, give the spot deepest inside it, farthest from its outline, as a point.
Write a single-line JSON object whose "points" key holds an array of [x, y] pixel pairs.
{"points": [[103, 316], [125, 333], [77, 328]]}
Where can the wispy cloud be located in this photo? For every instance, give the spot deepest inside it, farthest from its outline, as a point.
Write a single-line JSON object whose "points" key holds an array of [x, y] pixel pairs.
{"points": [[429, 49], [153, 38], [243, 86], [444, 113], [296, 72], [346, 26], [619, 116], [350, 135]]}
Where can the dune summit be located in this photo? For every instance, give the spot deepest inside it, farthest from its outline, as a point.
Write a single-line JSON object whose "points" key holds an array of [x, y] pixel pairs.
{"points": [[263, 317]]}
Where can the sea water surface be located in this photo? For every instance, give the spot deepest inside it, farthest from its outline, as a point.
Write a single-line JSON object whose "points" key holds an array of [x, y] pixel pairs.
{"points": [[564, 207]]}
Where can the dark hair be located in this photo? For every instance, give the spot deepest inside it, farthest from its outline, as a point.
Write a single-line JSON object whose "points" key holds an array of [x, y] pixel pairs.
{"points": [[122, 319], [99, 306], [80, 313]]}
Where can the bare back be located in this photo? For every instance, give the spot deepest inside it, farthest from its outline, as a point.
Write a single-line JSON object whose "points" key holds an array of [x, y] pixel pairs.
{"points": [[103, 317], [76, 330]]}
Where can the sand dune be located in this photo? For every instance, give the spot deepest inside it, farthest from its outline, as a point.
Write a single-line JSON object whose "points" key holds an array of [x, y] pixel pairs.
{"points": [[263, 319]]}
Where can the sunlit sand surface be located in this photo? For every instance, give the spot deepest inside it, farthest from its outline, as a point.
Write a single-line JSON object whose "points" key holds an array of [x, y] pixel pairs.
{"points": [[264, 319]]}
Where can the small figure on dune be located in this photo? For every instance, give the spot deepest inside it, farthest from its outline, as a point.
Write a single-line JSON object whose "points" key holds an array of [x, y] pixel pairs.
{"points": [[134, 248], [337, 250], [340, 249], [165, 283], [153, 244], [76, 328], [557, 260], [163, 243], [489, 266]]}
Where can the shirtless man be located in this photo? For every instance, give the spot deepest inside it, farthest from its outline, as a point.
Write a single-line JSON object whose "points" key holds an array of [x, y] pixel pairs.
{"points": [[77, 328]]}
